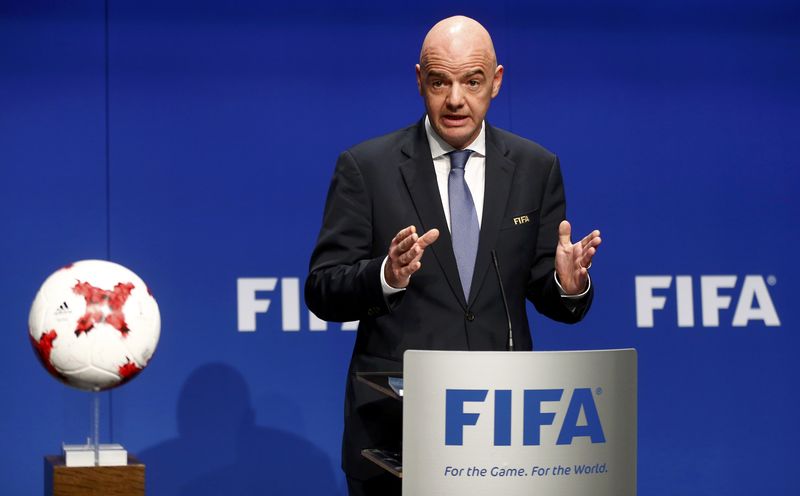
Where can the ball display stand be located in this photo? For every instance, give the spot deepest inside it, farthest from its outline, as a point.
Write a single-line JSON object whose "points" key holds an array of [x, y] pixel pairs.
{"points": [[93, 469]]}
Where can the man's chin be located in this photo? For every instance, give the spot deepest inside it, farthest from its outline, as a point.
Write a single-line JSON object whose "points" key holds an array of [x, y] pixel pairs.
{"points": [[456, 137]]}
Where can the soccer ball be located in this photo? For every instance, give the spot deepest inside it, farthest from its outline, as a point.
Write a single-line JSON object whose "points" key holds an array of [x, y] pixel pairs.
{"points": [[94, 325]]}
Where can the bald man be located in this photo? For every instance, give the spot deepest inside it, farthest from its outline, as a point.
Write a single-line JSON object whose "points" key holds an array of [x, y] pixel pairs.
{"points": [[411, 224]]}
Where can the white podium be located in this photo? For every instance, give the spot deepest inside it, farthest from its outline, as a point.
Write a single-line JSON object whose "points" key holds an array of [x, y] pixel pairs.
{"points": [[523, 423]]}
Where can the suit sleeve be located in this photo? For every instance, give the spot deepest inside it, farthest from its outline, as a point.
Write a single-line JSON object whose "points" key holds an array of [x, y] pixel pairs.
{"points": [[343, 283], [542, 288]]}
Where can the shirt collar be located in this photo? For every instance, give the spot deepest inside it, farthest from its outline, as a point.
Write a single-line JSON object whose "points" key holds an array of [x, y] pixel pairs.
{"points": [[440, 147]]}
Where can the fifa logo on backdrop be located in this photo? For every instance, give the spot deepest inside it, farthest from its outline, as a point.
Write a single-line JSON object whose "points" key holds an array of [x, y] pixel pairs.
{"points": [[251, 300], [572, 426], [752, 300]]}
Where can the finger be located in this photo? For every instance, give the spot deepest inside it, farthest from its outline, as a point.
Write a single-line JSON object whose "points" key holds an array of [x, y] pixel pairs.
{"points": [[577, 255], [417, 256], [564, 232], [401, 235], [417, 246], [593, 244], [407, 243], [404, 233], [401, 245], [428, 238], [415, 252], [409, 269], [589, 238], [587, 257]]}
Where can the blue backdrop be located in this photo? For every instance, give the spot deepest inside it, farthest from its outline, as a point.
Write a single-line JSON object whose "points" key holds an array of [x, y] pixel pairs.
{"points": [[193, 142]]}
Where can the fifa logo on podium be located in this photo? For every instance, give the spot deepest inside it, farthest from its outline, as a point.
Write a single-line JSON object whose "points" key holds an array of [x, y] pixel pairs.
{"points": [[533, 419]]}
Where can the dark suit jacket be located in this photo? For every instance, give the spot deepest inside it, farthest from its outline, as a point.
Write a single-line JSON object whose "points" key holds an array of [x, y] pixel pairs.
{"points": [[388, 183]]}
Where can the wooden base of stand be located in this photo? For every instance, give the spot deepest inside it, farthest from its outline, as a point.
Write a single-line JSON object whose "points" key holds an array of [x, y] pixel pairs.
{"points": [[60, 480]]}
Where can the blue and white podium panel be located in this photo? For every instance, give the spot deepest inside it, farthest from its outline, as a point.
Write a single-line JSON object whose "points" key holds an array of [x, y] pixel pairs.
{"points": [[194, 142], [478, 423]]}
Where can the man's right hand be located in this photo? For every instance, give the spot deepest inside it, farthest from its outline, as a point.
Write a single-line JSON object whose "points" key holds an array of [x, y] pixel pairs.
{"points": [[404, 254]]}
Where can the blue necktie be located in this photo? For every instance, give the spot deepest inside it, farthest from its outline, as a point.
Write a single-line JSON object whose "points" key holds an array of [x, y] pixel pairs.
{"points": [[464, 226]]}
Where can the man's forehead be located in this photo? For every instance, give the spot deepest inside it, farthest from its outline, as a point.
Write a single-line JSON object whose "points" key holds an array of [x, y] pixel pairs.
{"points": [[456, 58]]}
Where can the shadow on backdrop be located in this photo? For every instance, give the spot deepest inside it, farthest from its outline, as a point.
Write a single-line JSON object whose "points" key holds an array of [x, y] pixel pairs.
{"points": [[220, 450]]}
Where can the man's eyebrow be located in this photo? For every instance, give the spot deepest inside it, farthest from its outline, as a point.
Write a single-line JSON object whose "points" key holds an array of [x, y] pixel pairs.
{"points": [[474, 72], [437, 74]]}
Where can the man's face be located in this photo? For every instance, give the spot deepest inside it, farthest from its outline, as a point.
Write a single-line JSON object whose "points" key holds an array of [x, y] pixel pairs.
{"points": [[457, 83]]}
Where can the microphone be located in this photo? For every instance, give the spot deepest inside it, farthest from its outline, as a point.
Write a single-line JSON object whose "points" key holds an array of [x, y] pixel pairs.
{"points": [[505, 301]]}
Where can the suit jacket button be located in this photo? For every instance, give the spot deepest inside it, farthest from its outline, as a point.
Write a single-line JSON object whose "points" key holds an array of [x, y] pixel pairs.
{"points": [[469, 316]]}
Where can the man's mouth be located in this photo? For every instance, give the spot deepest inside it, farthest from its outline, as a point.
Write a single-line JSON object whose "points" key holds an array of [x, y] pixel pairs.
{"points": [[454, 120]]}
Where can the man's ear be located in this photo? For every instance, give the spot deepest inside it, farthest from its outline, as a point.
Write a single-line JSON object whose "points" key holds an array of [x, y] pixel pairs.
{"points": [[497, 81], [419, 79]]}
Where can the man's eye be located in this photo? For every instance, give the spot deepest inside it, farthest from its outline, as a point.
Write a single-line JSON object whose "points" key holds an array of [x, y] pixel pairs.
{"points": [[437, 84], [474, 83]]}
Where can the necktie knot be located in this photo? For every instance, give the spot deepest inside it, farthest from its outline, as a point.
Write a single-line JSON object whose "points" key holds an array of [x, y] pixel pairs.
{"points": [[458, 158]]}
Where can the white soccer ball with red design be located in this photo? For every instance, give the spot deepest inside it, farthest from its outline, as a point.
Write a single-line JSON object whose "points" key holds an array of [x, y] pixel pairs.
{"points": [[94, 324]]}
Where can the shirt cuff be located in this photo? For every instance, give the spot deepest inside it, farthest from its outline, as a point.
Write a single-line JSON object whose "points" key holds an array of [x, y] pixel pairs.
{"points": [[560, 289], [388, 290]]}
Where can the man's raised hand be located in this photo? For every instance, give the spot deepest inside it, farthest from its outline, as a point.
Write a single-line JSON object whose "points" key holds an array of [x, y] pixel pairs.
{"points": [[405, 252], [574, 260]]}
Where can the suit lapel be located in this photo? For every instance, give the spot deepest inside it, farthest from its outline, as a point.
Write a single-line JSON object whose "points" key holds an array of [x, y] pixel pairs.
{"points": [[420, 179], [499, 175]]}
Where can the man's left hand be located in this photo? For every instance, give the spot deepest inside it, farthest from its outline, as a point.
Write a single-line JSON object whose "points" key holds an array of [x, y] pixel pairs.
{"points": [[574, 260]]}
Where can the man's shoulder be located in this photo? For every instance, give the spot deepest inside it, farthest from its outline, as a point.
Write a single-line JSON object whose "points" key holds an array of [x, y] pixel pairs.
{"points": [[518, 146]]}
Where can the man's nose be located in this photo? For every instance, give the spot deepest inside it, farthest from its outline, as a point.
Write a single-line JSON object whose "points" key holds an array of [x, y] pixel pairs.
{"points": [[455, 98]]}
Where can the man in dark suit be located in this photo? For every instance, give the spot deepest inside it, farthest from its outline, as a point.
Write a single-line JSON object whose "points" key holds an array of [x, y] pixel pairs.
{"points": [[474, 191]]}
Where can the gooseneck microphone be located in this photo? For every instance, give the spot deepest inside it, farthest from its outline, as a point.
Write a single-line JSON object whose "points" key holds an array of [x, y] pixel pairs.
{"points": [[505, 301]]}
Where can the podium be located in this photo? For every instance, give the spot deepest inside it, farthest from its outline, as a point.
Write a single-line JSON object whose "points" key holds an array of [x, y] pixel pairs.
{"points": [[522, 423]]}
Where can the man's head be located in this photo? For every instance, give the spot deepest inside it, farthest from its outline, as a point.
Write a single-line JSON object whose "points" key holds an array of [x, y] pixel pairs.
{"points": [[458, 76]]}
